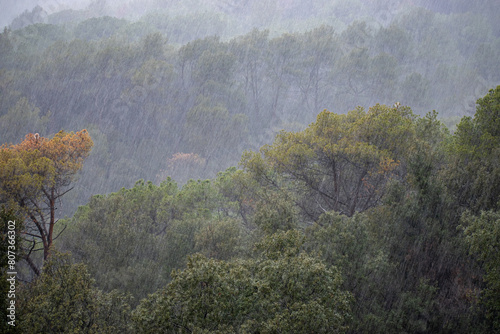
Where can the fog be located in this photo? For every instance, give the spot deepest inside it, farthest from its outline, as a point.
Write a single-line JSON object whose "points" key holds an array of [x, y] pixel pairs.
{"points": [[380, 11], [13, 8], [345, 131], [188, 85]]}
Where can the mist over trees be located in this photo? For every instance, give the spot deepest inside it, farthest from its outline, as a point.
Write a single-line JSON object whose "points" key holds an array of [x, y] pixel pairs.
{"points": [[164, 87], [256, 167]]}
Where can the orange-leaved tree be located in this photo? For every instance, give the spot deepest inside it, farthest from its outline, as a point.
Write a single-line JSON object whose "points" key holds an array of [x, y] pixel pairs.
{"points": [[34, 175]]}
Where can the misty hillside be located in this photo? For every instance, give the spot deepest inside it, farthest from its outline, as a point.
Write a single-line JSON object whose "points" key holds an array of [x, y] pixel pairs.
{"points": [[240, 16], [234, 166], [175, 89]]}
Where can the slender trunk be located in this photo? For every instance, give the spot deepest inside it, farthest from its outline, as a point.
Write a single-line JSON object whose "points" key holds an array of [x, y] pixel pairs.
{"points": [[32, 266], [356, 195], [336, 191], [52, 222]]}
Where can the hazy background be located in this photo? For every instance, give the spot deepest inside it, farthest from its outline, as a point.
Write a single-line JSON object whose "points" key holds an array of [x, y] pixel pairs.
{"points": [[181, 88]]}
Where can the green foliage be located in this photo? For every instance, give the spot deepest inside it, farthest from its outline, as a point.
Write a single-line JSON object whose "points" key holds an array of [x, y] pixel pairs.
{"points": [[487, 117], [395, 41], [359, 246], [474, 176], [351, 243], [387, 253], [209, 295], [297, 292], [280, 244], [415, 89], [22, 118], [98, 28], [207, 117], [121, 238], [284, 290], [421, 231], [218, 239], [482, 235], [63, 299], [341, 162], [274, 215], [414, 310], [132, 239]]}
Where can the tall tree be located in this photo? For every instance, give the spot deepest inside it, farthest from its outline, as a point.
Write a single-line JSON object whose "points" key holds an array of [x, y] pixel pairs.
{"points": [[340, 162], [34, 175], [474, 175], [250, 52], [320, 51]]}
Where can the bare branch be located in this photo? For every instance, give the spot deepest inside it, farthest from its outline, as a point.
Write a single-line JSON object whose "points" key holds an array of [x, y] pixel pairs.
{"points": [[63, 231]]}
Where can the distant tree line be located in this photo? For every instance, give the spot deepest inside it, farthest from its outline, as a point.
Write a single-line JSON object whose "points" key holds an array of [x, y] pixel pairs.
{"points": [[143, 96]]}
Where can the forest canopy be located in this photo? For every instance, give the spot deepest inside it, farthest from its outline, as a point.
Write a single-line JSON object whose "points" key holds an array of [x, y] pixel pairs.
{"points": [[266, 247], [163, 86], [325, 168]]}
